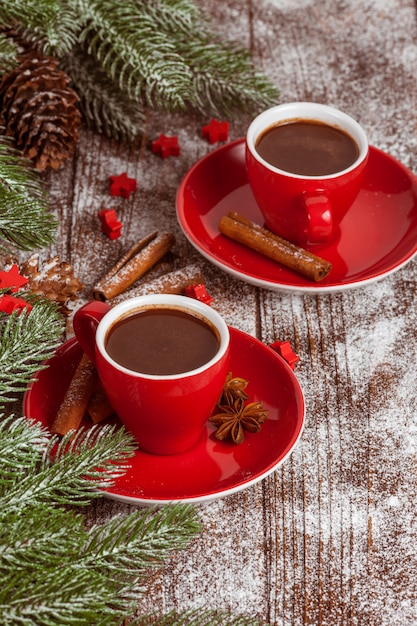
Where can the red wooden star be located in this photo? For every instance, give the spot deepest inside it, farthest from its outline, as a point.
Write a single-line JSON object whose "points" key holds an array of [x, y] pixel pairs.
{"points": [[283, 348], [198, 292], [110, 225], [215, 131], [166, 146], [12, 279], [122, 185], [8, 304]]}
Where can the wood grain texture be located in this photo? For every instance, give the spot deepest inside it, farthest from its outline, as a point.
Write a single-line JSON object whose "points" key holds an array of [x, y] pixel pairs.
{"points": [[330, 537]]}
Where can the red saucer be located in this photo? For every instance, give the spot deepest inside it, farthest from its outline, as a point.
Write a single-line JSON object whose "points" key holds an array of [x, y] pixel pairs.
{"points": [[376, 237], [211, 469]]}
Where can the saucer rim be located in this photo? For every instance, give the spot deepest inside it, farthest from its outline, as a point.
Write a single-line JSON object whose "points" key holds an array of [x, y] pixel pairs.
{"points": [[308, 288]]}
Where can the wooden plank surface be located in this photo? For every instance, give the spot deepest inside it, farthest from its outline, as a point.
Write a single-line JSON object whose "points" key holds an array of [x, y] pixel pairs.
{"points": [[330, 537]]}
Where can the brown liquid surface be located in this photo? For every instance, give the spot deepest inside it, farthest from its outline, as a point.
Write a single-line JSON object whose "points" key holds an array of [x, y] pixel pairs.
{"points": [[162, 342], [307, 148]]}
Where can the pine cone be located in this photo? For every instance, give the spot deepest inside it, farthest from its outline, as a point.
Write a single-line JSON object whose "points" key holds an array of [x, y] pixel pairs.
{"points": [[39, 110], [54, 280]]}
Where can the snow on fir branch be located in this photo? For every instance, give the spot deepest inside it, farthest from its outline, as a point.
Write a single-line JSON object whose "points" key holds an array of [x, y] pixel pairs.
{"points": [[8, 54], [73, 469], [107, 109], [126, 55], [26, 340], [54, 569], [25, 220], [47, 24]]}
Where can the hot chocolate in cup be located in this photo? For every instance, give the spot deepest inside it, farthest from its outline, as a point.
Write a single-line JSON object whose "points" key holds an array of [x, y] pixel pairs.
{"points": [[305, 162], [162, 361]]}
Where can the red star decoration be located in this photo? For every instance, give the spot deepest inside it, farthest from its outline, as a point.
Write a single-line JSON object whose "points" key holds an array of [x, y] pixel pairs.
{"points": [[198, 292], [110, 225], [166, 146], [12, 279], [122, 185], [8, 304], [283, 348], [215, 131]]}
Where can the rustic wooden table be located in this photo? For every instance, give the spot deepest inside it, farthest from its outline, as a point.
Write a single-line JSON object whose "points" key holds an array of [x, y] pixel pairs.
{"points": [[330, 536]]}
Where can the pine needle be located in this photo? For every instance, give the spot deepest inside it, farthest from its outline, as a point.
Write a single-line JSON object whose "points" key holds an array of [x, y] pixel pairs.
{"points": [[135, 52], [53, 569], [105, 107], [149, 538], [53, 577], [23, 203], [73, 474], [224, 79], [49, 25], [8, 54], [20, 448], [26, 340]]}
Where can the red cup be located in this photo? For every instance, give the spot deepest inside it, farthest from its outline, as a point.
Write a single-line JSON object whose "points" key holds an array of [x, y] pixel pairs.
{"points": [[304, 209], [166, 414]]}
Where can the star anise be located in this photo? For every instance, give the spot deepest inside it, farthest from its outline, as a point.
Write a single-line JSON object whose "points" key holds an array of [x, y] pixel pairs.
{"points": [[233, 389], [233, 420]]}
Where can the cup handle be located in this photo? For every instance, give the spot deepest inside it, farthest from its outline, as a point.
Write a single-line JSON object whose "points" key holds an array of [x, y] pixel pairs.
{"points": [[319, 216], [86, 320]]}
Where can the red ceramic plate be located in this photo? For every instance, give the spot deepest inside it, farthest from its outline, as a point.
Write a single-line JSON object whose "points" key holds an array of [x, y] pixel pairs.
{"points": [[376, 237], [211, 469]]}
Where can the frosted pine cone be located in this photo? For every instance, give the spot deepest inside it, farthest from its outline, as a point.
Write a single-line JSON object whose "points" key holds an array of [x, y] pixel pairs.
{"points": [[39, 109], [54, 279]]}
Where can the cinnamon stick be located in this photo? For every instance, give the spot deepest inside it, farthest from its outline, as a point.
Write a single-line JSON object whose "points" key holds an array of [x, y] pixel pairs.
{"points": [[77, 396], [171, 282], [99, 408], [246, 232], [136, 262]]}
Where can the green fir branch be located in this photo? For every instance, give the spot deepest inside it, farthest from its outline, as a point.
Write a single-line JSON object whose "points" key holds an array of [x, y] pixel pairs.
{"points": [[123, 57], [30, 542], [173, 16], [105, 107], [54, 570], [62, 595], [135, 52], [8, 54], [20, 448], [224, 79], [41, 585], [165, 56], [150, 538], [25, 220], [51, 26], [26, 340], [83, 463]]}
